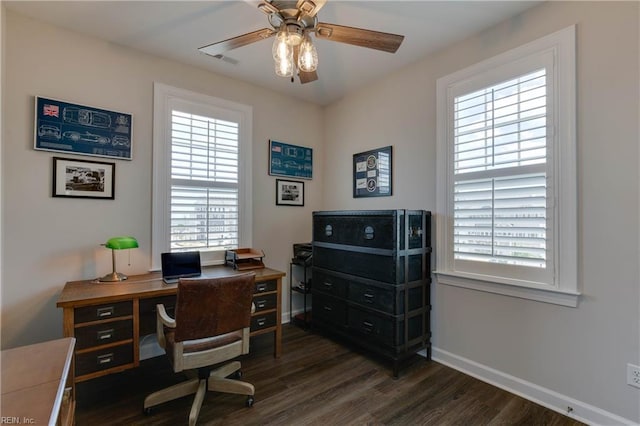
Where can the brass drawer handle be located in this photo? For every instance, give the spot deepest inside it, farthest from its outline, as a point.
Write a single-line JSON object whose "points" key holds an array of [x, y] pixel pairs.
{"points": [[105, 312], [105, 334], [105, 359]]}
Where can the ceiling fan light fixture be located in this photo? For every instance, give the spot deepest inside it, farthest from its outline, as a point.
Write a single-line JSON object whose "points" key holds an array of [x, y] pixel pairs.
{"points": [[284, 67], [308, 55], [284, 63], [295, 34], [281, 47]]}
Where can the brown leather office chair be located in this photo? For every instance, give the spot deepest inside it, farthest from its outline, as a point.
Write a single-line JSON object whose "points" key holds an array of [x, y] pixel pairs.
{"points": [[211, 326]]}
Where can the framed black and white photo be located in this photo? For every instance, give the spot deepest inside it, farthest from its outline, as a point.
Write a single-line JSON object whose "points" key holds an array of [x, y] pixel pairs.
{"points": [[372, 173], [83, 179], [289, 193]]}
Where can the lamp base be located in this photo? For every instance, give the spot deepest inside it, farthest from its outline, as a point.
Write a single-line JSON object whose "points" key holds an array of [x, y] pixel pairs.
{"points": [[113, 277]]}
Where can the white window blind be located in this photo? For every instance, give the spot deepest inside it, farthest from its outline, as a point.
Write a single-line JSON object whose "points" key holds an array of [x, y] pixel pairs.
{"points": [[202, 168], [506, 170], [500, 191], [204, 183]]}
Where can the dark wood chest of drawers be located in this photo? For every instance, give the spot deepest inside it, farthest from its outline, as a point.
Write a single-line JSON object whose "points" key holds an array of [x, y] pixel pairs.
{"points": [[372, 275]]}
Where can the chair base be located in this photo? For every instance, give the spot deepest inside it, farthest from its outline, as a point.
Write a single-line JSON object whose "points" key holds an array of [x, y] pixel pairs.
{"points": [[216, 382]]}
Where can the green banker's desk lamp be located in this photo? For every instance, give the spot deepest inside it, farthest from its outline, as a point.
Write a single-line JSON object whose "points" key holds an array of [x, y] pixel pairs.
{"points": [[118, 243]]}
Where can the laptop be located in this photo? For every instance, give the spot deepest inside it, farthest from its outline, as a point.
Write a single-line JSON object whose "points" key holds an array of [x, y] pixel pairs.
{"points": [[178, 265]]}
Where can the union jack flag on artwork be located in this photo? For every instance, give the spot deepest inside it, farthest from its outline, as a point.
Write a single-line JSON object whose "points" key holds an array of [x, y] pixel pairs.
{"points": [[52, 110]]}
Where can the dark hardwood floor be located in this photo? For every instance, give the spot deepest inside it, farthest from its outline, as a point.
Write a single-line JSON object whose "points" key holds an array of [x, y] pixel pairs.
{"points": [[315, 382]]}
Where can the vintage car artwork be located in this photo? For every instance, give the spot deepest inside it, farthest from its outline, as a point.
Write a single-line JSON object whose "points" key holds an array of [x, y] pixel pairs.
{"points": [[119, 140], [49, 131], [86, 137], [86, 117], [61, 126]]}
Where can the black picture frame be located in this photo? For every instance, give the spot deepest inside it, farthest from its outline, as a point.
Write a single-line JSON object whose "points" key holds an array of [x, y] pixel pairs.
{"points": [[373, 173], [289, 193], [74, 178]]}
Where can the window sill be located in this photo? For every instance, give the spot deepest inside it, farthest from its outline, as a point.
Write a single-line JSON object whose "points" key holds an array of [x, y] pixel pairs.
{"points": [[554, 296]]}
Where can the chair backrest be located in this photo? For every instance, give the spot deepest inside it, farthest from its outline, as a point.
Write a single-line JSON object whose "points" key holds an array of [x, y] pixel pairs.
{"points": [[209, 307]]}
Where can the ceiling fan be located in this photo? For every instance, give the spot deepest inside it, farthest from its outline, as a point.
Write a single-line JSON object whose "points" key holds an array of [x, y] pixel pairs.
{"points": [[292, 23]]}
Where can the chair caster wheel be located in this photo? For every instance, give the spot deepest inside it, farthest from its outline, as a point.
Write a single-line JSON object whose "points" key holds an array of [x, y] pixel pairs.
{"points": [[250, 401], [147, 411]]}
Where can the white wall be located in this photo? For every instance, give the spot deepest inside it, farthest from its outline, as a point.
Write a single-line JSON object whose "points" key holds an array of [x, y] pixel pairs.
{"points": [[578, 353], [559, 355], [54, 240]]}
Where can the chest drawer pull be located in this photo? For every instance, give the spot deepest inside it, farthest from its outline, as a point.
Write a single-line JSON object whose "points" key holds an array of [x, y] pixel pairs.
{"points": [[105, 334], [261, 321], [368, 297], [105, 312], [261, 287], [105, 359], [368, 327], [327, 308], [327, 284], [261, 304]]}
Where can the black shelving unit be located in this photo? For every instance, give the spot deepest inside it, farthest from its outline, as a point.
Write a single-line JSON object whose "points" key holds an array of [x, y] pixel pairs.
{"points": [[300, 284]]}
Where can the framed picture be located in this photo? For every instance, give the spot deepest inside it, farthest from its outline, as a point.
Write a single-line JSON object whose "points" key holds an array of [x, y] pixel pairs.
{"points": [[290, 160], [83, 179], [77, 129], [372, 173], [289, 193]]}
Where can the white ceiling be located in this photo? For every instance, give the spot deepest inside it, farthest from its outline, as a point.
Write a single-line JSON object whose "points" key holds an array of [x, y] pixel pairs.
{"points": [[176, 29]]}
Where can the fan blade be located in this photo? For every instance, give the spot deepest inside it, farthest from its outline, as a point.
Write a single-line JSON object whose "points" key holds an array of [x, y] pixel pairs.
{"points": [[235, 42], [310, 7], [359, 37], [307, 77]]}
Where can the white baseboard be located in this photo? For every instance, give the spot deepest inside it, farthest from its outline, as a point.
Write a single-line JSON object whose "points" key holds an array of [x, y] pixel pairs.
{"points": [[582, 412]]}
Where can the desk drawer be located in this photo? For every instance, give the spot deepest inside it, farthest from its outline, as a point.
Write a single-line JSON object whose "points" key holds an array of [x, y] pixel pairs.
{"points": [[91, 362], [265, 286], [101, 334], [259, 322], [265, 301], [102, 312]]}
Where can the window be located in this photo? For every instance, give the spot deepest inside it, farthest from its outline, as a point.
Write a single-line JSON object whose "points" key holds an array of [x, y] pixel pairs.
{"points": [[506, 173], [202, 174]]}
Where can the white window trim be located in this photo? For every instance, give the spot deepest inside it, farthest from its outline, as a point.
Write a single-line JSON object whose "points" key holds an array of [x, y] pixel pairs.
{"points": [[565, 289], [162, 95]]}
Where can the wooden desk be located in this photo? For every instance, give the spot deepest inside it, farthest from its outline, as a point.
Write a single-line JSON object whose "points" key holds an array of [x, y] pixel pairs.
{"points": [[35, 382], [108, 319]]}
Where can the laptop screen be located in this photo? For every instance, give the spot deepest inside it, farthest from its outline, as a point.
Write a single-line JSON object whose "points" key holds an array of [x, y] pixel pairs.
{"points": [[180, 265]]}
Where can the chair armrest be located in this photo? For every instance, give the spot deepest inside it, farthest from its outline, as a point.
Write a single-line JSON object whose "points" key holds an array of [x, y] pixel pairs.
{"points": [[163, 320], [164, 317]]}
